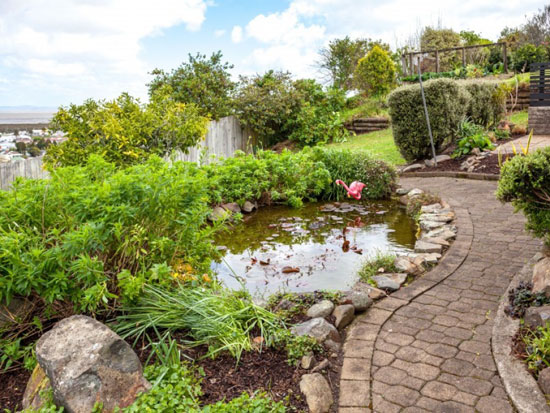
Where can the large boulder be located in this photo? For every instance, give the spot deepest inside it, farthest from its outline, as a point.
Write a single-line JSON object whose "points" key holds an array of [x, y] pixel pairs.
{"points": [[359, 299], [544, 381], [537, 316], [86, 362], [317, 391], [343, 315], [541, 277], [318, 328]]}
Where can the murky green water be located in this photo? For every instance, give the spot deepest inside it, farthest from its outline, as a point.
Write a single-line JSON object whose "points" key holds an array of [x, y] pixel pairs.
{"points": [[324, 243]]}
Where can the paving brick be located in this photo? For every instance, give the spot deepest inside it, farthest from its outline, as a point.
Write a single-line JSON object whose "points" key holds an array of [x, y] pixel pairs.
{"points": [[457, 367], [401, 396], [439, 391], [381, 358], [358, 349], [419, 370], [355, 369], [491, 404], [389, 375], [354, 393]]}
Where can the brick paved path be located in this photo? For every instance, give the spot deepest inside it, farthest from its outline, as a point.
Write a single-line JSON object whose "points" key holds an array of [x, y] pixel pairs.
{"points": [[432, 352]]}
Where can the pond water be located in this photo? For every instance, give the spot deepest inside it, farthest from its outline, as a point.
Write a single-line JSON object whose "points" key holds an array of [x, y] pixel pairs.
{"points": [[319, 246]]}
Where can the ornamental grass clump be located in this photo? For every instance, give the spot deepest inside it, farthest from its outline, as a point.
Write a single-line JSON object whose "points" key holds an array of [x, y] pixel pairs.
{"points": [[221, 319]]}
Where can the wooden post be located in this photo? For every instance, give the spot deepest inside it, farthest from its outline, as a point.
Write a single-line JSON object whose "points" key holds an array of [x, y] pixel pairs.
{"points": [[463, 57], [437, 61], [411, 64], [505, 57], [404, 65]]}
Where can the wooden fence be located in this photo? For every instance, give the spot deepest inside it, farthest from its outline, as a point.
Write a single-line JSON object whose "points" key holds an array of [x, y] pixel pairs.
{"points": [[224, 137]]}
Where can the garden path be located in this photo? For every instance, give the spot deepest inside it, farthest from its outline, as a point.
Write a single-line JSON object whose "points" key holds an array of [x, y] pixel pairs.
{"points": [[427, 347], [537, 142]]}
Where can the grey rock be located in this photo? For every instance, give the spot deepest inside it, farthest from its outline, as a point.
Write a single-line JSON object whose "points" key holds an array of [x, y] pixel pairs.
{"points": [[359, 299], [321, 309], [444, 232], [541, 277], [318, 328], [321, 366], [406, 264], [248, 207], [332, 345], [413, 167], [218, 213], [374, 293], [317, 392], [537, 316], [430, 258], [439, 217], [438, 158], [232, 207], [476, 151], [344, 315], [415, 192], [391, 282], [436, 240], [37, 386], [544, 380], [430, 209], [86, 362], [307, 361], [402, 191], [423, 246], [426, 225]]}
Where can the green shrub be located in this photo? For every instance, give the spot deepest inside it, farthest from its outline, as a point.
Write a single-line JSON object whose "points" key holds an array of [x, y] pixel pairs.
{"points": [[124, 131], [357, 165], [91, 234], [370, 268], [471, 136], [525, 181], [375, 73], [486, 103], [447, 104], [527, 54]]}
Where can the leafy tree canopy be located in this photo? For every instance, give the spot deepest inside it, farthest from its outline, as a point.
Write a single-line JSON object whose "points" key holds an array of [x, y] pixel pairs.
{"points": [[205, 82], [124, 131], [375, 73]]}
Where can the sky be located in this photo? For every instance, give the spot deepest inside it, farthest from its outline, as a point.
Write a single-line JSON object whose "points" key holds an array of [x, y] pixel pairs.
{"points": [[56, 52]]}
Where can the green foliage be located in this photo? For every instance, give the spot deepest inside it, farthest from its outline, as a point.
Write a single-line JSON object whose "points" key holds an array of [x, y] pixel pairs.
{"points": [[123, 131], [527, 54], [221, 319], [435, 38], [176, 389], [447, 104], [525, 181], [360, 106], [296, 346], [471, 136], [372, 266], [14, 354], [339, 59], [203, 82], [415, 204], [486, 104], [278, 108], [288, 178], [356, 165], [375, 73], [91, 234], [537, 345], [459, 73]]}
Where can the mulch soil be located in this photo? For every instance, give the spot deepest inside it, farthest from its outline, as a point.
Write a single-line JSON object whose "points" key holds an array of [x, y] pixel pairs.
{"points": [[489, 165], [12, 385]]}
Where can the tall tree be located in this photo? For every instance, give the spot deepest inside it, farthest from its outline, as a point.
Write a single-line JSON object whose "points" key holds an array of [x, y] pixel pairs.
{"points": [[204, 82], [339, 59], [537, 28]]}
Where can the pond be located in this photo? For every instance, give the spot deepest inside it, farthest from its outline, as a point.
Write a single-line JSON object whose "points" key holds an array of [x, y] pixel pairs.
{"points": [[320, 246]]}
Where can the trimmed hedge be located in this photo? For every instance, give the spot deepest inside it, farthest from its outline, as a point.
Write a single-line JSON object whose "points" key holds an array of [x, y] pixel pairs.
{"points": [[449, 101], [447, 104], [486, 104], [525, 181]]}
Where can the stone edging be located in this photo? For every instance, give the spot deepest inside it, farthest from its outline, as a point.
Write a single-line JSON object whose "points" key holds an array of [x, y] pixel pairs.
{"points": [[355, 378], [521, 387], [451, 174]]}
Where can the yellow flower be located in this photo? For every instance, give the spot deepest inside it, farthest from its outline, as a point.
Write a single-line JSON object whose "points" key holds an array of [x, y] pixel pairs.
{"points": [[206, 278]]}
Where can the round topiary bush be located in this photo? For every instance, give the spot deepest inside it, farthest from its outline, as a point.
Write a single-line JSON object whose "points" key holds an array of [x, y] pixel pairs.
{"points": [[447, 104]]}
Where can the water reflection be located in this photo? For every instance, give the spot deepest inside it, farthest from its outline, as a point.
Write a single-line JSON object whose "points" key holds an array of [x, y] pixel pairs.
{"points": [[320, 246]]}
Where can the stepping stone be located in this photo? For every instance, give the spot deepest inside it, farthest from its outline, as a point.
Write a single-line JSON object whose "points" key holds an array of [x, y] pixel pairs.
{"points": [[390, 282]]}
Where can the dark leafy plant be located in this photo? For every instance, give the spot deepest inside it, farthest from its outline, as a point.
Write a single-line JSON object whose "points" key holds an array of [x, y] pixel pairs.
{"points": [[521, 298]]}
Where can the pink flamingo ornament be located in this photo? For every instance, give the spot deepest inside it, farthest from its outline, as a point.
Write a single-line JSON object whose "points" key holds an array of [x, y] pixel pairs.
{"points": [[354, 189]]}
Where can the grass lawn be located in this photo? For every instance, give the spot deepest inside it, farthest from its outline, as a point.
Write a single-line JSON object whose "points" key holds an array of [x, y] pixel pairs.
{"points": [[520, 118], [380, 143]]}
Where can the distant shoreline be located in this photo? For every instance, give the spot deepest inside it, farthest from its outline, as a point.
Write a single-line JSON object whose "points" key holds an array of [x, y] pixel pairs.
{"points": [[12, 127]]}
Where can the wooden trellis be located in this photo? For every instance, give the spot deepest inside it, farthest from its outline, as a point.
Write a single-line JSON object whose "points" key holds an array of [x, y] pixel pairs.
{"points": [[407, 58]]}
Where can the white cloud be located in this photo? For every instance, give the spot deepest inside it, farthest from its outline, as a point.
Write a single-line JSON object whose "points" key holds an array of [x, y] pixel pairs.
{"points": [[290, 39], [219, 33], [237, 34], [92, 41]]}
